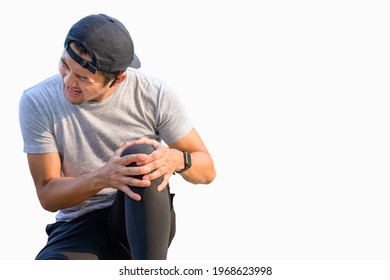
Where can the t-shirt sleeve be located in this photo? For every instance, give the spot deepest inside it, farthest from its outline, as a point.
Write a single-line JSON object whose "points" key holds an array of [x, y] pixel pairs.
{"points": [[34, 123], [174, 122]]}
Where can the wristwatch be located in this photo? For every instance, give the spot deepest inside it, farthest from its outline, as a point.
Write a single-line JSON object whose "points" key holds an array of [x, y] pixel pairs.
{"points": [[187, 161]]}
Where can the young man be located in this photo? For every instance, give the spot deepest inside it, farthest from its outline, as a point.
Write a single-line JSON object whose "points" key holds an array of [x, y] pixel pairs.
{"points": [[93, 137]]}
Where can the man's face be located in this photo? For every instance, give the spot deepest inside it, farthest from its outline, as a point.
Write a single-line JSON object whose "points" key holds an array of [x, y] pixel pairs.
{"points": [[80, 85]]}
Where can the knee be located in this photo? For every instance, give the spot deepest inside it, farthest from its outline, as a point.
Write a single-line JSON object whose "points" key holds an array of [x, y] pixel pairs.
{"points": [[138, 149]]}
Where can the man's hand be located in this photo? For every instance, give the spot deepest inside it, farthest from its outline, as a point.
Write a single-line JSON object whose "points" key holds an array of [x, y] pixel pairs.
{"points": [[162, 162], [118, 175]]}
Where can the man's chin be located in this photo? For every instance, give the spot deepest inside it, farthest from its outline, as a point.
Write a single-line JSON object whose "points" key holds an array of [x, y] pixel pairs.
{"points": [[73, 100]]}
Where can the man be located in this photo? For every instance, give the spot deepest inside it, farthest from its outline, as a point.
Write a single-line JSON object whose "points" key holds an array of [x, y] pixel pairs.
{"points": [[94, 139]]}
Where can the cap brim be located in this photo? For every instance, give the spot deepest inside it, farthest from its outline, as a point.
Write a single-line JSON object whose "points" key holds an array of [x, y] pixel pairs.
{"points": [[136, 63]]}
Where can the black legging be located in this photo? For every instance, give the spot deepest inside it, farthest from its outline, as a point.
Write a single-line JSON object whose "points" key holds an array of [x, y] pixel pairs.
{"points": [[149, 223], [129, 229]]}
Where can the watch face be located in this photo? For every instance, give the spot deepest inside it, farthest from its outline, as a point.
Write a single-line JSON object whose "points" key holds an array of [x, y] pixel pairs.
{"points": [[187, 161]]}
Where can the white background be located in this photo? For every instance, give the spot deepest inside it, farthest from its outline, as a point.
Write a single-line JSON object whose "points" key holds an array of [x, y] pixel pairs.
{"points": [[291, 98]]}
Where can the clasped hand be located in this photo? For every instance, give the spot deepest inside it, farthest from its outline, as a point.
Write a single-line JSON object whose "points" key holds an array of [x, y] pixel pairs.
{"points": [[160, 163]]}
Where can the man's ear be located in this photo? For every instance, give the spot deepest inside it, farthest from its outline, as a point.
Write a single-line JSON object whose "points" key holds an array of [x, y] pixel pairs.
{"points": [[120, 78]]}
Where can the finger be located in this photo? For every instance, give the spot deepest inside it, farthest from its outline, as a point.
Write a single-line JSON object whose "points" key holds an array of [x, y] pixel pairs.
{"points": [[155, 156], [164, 183], [133, 158], [144, 140], [130, 193], [120, 150], [134, 182], [137, 171], [154, 175]]}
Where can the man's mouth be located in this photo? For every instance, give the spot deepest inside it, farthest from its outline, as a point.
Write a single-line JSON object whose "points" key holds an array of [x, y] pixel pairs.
{"points": [[74, 93]]}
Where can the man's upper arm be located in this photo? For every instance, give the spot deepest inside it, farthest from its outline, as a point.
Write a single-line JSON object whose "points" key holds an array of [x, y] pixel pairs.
{"points": [[44, 167], [191, 142]]}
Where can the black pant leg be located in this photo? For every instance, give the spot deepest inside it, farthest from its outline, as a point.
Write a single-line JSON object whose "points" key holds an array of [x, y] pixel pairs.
{"points": [[149, 224]]}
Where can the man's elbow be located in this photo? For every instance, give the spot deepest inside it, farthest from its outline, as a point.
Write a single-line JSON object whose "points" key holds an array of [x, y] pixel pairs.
{"points": [[204, 178], [47, 206], [210, 177]]}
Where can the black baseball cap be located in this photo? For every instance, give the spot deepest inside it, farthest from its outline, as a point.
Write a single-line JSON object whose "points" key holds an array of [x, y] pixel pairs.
{"points": [[107, 39]]}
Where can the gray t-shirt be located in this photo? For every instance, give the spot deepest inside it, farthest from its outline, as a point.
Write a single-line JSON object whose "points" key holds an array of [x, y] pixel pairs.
{"points": [[87, 135]]}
